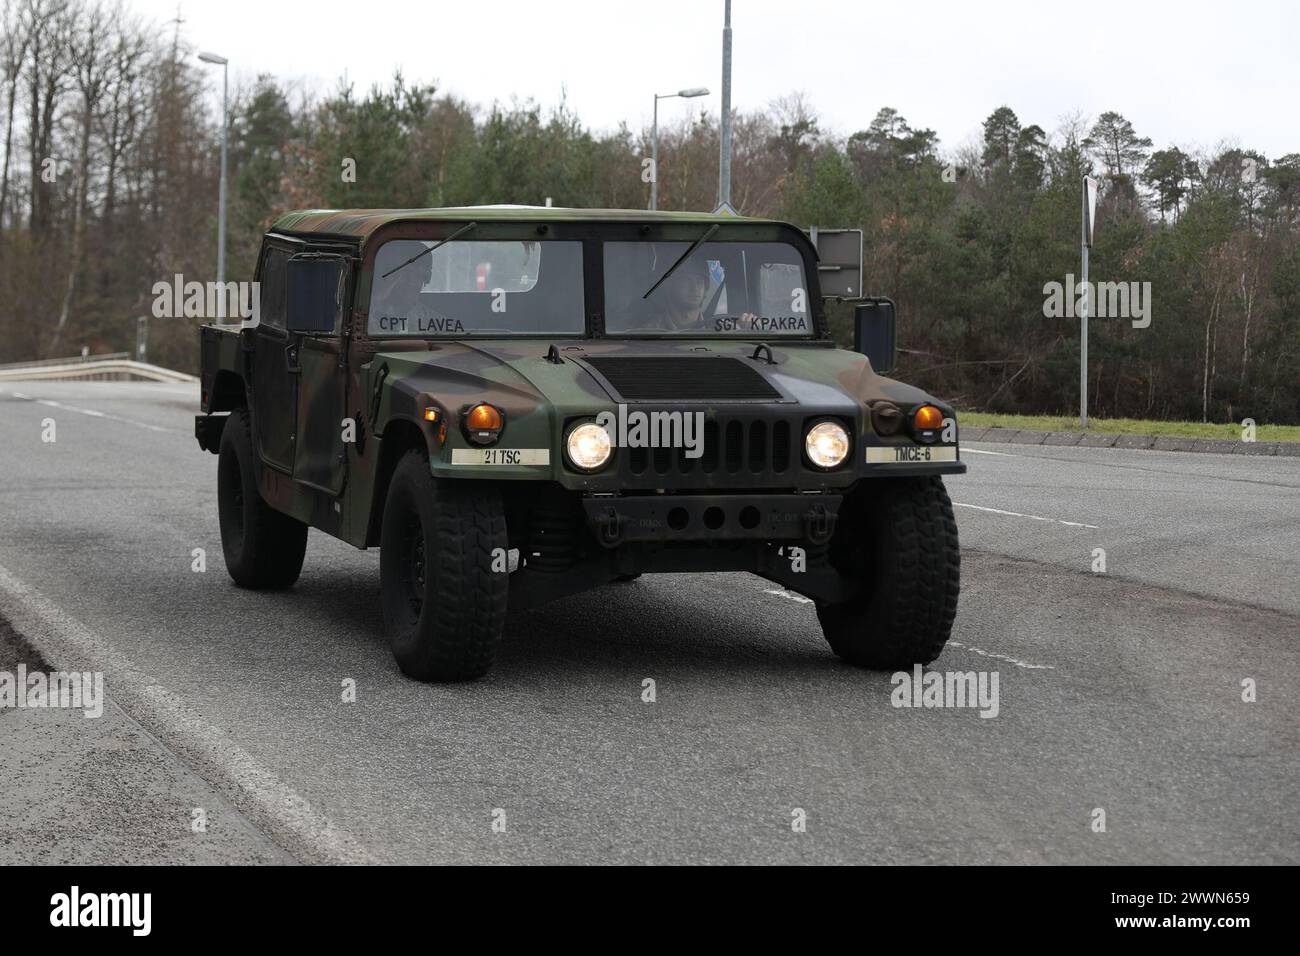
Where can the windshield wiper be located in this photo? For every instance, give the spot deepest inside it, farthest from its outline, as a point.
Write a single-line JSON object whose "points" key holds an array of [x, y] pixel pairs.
{"points": [[685, 255], [438, 245]]}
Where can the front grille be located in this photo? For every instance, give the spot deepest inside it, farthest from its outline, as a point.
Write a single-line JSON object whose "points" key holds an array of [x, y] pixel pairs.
{"points": [[669, 378], [737, 451]]}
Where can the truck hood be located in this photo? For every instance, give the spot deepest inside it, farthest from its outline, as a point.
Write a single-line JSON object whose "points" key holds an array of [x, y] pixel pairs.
{"points": [[579, 376]]}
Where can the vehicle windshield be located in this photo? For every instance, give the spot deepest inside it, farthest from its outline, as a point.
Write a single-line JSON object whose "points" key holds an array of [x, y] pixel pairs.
{"points": [[470, 287], [745, 289]]}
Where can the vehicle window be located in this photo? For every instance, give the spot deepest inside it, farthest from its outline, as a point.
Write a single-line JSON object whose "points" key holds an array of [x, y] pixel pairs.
{"points": [[477, 287], [271, 292], [723, 288], [778, 286]]}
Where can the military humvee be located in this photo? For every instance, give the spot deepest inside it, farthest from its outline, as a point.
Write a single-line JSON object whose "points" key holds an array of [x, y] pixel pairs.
{"points": [[520, 403]]}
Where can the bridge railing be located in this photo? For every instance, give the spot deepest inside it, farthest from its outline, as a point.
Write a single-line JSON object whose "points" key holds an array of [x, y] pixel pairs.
{"points": [[116, 366], [71, 360]]}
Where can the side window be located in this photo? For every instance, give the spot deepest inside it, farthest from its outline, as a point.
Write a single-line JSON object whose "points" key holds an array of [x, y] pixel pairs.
{"points": [[781, 292], [272, 299]]}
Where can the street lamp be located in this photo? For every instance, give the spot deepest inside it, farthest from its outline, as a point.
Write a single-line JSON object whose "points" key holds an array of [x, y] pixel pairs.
{"points": [[724, 128], [654, 138], [222, 62], [1090, 187]]}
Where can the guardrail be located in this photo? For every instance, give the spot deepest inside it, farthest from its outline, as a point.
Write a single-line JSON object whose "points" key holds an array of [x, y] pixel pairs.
{"points": [[115, 367], [72, 360]]}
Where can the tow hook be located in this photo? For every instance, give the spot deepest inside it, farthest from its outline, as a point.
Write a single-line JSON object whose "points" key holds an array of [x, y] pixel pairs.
{"points": [[608, 528], [819, 524]]}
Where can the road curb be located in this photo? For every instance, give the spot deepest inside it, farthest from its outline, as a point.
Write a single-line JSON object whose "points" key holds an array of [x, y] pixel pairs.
{"points": [[1213, 446], [65, 644]]}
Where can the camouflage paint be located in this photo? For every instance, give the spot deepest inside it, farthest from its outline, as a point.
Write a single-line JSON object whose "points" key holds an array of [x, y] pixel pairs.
{"points": [[537, 396]]}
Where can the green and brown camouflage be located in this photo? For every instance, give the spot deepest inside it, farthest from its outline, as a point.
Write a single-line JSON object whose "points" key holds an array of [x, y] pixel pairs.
{"points": [[334, 412]]}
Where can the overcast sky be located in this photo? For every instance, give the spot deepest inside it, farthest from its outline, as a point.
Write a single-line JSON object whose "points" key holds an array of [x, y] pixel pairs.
{"points": [[1192, 73]]}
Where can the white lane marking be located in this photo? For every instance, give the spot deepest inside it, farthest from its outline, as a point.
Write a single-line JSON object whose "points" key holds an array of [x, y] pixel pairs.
{"points": [[975, 451], [1017, 514], [91, 412], [788, 595], [1003, 657], [782, 593], [256, 790], [84, 411]]}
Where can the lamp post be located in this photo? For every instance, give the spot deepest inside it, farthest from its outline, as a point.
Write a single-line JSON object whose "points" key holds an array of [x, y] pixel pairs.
{"points": [[654, 138], [1090, 187], [222, 62], [724, 130]]}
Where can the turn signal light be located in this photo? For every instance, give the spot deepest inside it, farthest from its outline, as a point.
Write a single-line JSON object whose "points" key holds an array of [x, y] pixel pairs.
{"points": [[927, 419], [483, 424], [926, 422], [431, 414], [484, 418]]}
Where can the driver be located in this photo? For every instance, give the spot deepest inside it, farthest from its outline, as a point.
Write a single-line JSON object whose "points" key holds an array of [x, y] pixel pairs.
{"points": [[681, 302]]}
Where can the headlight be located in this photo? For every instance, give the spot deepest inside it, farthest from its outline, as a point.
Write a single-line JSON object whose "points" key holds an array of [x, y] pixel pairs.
{"points": [[827, 444], [588, 446]]}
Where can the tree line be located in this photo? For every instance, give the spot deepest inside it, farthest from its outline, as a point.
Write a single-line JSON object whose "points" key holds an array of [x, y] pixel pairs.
{"points": [[111, 159]]}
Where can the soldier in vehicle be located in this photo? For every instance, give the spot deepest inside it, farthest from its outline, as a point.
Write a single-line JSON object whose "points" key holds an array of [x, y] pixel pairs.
{"points": [[680, 304]]}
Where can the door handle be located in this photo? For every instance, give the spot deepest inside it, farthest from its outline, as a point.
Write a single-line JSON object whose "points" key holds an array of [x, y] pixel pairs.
{"points": [[291, 358]]}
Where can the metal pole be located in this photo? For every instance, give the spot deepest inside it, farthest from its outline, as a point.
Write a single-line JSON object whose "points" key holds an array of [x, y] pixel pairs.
{"points": [[724, 143], [1083, 326], [654, 157], [221, 216]]}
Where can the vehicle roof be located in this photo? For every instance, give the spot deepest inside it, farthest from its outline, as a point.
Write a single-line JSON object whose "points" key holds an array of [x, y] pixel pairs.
{"points": [[360, 223]]}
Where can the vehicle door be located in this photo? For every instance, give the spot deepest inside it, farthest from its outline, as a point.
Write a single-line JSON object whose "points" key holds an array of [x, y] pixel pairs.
{"points": [[319, 290], [274, 375]]}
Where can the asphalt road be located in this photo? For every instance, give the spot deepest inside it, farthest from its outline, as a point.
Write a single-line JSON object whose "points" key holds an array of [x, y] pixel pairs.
{"points": [[1119, 691], [92, 786]]}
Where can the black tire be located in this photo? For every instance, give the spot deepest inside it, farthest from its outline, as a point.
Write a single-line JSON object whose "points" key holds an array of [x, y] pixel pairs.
{"points": [[264, 548], [898, 537], [625, 578], [444, 604]]}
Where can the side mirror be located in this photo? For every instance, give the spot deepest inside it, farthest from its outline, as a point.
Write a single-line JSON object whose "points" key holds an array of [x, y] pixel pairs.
{"points": [[313, 293], [873, 333]]}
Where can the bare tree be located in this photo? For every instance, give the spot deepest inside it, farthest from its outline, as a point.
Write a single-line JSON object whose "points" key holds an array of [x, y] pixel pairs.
{"points": [[119, 118], [91, 55], [49, 25], [13, 51]]}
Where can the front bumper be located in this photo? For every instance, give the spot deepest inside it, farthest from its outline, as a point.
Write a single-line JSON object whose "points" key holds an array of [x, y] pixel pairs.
{"points": [[617, 519]]}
